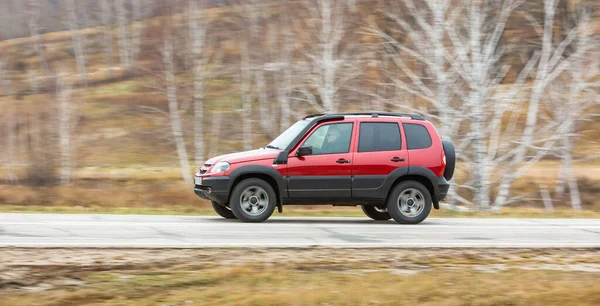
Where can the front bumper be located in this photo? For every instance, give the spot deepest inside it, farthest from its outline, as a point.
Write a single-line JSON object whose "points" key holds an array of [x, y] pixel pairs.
{"points": [[214, 189]]}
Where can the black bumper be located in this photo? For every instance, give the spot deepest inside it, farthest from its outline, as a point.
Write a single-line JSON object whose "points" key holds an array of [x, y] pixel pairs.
{"points": [[442, 190], [214, 189]]}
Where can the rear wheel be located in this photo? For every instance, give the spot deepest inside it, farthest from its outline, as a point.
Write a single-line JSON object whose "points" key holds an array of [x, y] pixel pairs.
{"points": [[253, 200], [409, 203], [223, 210], [376, 213]]}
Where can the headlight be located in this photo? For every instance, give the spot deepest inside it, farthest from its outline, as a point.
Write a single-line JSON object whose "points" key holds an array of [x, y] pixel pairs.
{"points": [[220, 167]]}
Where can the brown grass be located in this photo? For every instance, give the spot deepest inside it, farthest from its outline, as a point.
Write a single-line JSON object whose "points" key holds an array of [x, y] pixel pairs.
{"points": [[297, 277]]}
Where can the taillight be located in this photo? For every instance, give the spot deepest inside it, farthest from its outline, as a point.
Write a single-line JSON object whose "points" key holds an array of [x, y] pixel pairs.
{"points": [[443, 163], [443, 158]]}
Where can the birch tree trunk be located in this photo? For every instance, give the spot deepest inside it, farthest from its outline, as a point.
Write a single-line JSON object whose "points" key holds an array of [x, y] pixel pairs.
{"points": [[567, 164], [484, 23], [123, 37], [175, 118], [216, 133], [265, 114], [533, 107], [63, 93], [576, 87], [326, 60], [197, 35], [77, 41], [136, 28], [5, 80], [439, 9], [256, 62], [246, 78], [284, 88], [32, 22], [328, 63], [478, 98], [480, 162], [10, 145], [106, 16]]}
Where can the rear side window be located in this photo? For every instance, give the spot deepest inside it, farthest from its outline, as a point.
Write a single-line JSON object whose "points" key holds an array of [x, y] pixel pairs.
{"points": [[379, 136], [417, 136]]}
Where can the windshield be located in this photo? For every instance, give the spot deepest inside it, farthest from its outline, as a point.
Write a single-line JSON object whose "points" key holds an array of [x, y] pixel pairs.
{"points": [[284, 140]]}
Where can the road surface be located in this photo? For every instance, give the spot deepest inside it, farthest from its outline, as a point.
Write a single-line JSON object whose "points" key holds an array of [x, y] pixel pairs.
{"points": [[135, 231]]}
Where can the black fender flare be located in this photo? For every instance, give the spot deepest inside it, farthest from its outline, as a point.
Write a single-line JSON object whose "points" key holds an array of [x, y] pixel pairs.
{"points": [[392, 178], [433, 179], [401, 172], [260, 170]]}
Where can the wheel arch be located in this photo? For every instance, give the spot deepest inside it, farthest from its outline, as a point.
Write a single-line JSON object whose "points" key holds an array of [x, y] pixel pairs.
{"points": [[423, 176], [269, 175]]}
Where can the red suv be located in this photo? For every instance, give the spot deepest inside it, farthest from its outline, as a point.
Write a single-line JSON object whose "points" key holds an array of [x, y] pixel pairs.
{"points": [[393, 165]]}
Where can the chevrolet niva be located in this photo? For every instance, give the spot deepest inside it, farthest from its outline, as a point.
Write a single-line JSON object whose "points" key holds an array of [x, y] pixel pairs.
{"points": [[394, 165]]}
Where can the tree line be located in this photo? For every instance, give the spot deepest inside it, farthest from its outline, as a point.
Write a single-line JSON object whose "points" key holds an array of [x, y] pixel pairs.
{"points": [[510, 82]]}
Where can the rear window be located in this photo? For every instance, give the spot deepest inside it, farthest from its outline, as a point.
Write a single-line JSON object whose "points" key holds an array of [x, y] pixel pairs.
{"points": [[417, 136], [380, 136]]}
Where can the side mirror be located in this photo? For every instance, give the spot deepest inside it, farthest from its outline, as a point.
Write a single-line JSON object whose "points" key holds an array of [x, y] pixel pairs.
{"points": [[304, 150]]}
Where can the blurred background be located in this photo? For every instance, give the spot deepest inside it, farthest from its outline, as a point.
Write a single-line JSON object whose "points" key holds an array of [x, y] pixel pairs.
{"points": [[114, 103]]}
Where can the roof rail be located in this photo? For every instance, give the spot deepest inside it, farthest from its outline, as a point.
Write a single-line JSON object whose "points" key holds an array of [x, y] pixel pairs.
{"points": [[313, 115], [372, 114]]}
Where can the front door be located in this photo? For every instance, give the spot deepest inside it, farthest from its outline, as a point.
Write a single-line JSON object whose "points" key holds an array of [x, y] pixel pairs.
{"points": [[325, 175]]}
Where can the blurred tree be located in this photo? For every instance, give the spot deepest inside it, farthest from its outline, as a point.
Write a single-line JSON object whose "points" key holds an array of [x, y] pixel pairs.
{"points": [[65, 122], [552, 63], [174, 112], [197, 34], [32, 9], [128, 33], [330, 65], [106, 15], [424, 42], [78, 43]]}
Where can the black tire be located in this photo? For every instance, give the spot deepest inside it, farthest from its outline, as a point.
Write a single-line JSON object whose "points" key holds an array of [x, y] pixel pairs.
{"points": [[409, 190], [372, 212], [450, 159], [223, 211], [264, 195]]}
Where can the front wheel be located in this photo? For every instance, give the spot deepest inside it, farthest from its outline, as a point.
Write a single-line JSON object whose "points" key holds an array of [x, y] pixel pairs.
{"points": [[223, 210], [253, 200], [376, 213], [409, 203]]}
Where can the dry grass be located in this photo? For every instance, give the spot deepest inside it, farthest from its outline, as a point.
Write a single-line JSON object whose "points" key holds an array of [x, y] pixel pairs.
{"points": [[203, 209], [298, 277]]}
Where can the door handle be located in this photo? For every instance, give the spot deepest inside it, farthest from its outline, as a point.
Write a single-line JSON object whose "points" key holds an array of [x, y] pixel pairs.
{"points": [[397, 159], [342, 161]]}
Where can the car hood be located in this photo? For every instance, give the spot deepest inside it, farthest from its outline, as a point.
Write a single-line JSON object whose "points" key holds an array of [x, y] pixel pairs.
{"points": [[246, 156]]}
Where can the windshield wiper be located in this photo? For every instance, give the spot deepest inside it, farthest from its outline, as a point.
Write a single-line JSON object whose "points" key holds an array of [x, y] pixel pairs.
{"points": [[272, 147]]}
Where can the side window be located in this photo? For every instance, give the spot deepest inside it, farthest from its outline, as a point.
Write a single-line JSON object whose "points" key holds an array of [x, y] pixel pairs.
{"points": [[330, 138], [417, 136], [380, 136]]}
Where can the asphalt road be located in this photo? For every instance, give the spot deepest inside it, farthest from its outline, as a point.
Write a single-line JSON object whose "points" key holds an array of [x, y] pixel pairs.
{"points": [[135, 231]]}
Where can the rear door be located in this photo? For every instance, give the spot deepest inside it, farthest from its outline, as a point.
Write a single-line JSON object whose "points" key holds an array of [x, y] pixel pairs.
{"points": [[380, 151], [324, 176]]}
